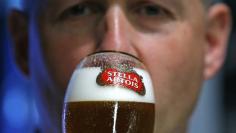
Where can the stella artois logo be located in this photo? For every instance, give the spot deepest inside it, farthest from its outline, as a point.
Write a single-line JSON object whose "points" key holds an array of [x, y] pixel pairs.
{"points": [[126, 78]]}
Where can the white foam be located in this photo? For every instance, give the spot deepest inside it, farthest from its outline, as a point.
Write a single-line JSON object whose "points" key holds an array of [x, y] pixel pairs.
{"points": [[83, 87]]}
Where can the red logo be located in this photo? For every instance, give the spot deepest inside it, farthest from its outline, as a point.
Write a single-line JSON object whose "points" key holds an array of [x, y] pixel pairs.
{"points": [[129, 80]]}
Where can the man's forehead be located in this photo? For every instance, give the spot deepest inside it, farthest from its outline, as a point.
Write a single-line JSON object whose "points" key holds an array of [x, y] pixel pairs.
{"points": [[172, 2], [179, 4], [108, 1]]}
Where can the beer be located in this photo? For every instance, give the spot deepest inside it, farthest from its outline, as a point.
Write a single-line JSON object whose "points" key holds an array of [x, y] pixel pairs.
{"points": [[109, 100], [109, 117]]}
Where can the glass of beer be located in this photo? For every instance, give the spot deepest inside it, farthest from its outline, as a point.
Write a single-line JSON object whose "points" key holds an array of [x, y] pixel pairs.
{"points": [[109, 92]]}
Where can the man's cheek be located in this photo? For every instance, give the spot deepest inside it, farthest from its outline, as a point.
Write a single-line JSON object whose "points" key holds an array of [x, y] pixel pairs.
{"points": [[62, 58]]}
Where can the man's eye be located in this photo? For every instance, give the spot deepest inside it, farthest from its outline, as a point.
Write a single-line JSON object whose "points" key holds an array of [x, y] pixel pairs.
{"points": [[150, 16], [82, 10], [149, 10]]}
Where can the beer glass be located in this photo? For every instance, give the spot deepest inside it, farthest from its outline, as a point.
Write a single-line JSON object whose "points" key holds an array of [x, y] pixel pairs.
{"points": [[109, 92]]}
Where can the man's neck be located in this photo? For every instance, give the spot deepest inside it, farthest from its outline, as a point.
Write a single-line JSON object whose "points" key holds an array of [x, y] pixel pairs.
{"points": [[180, 129]]}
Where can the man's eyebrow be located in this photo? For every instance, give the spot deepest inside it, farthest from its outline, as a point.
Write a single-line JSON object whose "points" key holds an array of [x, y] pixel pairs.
{"points": [[58, 5], [176, 5]]}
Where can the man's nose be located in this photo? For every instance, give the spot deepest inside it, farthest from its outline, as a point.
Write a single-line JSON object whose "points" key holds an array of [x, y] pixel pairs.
{"points": [[115, 31]]}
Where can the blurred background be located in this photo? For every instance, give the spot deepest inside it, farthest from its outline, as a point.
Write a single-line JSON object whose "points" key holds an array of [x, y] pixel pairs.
{"points": [[215, 113]]}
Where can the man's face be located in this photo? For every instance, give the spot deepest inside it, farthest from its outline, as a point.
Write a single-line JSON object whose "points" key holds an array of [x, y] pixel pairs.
{"points": [[167, 35]]}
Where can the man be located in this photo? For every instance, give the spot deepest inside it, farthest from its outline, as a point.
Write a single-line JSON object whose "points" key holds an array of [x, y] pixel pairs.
{"points": [[181, 42]]}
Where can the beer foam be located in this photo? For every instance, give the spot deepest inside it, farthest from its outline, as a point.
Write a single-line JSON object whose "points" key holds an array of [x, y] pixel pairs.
{"points": [[83, 87]]}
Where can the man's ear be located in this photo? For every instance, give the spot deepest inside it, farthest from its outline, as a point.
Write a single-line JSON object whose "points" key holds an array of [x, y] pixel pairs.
{"points": [[217, 34], [18, 27]]}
